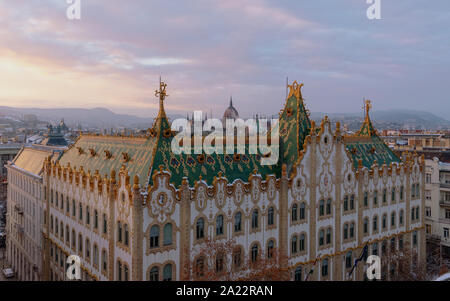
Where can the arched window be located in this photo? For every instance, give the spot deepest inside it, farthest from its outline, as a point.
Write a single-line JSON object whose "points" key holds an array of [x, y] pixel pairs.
{"points": [[80, 212], [219, 225], [88, 249], [393, 219], [366, 225], [270, 216], [167, 234], [294, 213], [95, 219], [384, 196], [352, 202], [154, 236], [325, 267], [104, 261], [255, 219], [328, 211], [294, 244], [384, 221], [219, 262], [126, 232], [298, 274], [321, 208], [167, 272], [119, 270], [105, 224], [237, 222], [346, 203], [366, 199], [393, 195], [302, 242], [328, 236], [95, 259], [270, 247], [302, 211], [237, 256], [345, 231], [154, 274], [321, 238], [200, 228], [375, 223], [348, 260], [254, 253], [401, 217], [88, 216], [375, 249], [74, 239], [119, 231], [375, 198], [352, 230], [80, 243]]}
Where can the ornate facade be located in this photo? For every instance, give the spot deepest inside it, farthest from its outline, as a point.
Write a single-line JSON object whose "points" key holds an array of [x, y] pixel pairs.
{"points": [[133, 210]]}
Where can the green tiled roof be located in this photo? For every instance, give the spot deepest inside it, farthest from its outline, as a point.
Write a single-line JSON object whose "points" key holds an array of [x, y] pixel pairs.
{"points": [[368, 147]]}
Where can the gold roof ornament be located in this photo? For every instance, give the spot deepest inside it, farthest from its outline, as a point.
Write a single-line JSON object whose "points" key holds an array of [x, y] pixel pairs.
{"points": [[161, 94], [295, 89]]}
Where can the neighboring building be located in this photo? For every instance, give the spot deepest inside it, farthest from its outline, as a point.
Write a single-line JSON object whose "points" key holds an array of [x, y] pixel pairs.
{"points": [[26, 210], [7, 153], [134, 210], [55, 136], [437, 211]]}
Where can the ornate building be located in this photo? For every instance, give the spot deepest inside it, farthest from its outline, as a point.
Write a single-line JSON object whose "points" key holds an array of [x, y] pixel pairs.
{"points": [[134, 210]]}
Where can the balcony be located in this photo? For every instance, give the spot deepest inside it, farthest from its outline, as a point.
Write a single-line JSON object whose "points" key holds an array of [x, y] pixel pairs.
{"points": [[444, 185]]}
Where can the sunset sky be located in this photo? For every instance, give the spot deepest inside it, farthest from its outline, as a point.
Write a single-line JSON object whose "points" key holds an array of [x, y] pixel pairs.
{"points": [[208, 50]]}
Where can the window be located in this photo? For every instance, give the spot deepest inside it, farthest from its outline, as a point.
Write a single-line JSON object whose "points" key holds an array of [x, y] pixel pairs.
{"points": [[119, 270], [119, 231], [400, 242], [298, 274], [270, 247], [294, 244], [67, 205], [95, 219], [104, 261], [200, 228], [321, 237], [154, 236], [219, 225], [270, 216], [88, 216], [199, 267], [400, 218], [352, 230], [254, 253], [352, 202], [328, 207], [80, 212], [237, 257], [105, 224], [321, 208], [80, 244], [294, 213], [393, 195], [168, 234], [95, 251], [348, 260], [384, 196], [366, 199], [345, 231], [328, 236], [393, 219], [302, 243], [375, 198], [167, 272], [366, 225], [393, 244], [73, 239], [415, 238], [302, 211], [126, 232], [375, 224], [446, 232], [447, 213], [401, 193], [73, 208], [88, 249], [346, 203], [428, 178], [237, 222], [219, 263], [325, 267], [255, 219], [417, 212], [375, 249], [154, 274], [125, 273], [384, 222]]}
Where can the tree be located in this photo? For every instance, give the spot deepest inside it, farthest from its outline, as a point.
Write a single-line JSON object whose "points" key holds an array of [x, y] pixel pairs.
{"points": [[224, 260]]}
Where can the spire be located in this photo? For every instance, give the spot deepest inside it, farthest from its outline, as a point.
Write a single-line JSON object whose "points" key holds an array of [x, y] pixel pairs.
{"points": [[367, 128], [161, 120], [231, 100]]}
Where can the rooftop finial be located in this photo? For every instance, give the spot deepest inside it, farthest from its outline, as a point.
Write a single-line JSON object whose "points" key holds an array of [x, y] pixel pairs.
{"points": [[367, 107], [231, 100]]}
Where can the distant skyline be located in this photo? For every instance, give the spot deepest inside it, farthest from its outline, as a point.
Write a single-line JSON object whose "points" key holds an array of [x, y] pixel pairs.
{"points": [[208, 50]]}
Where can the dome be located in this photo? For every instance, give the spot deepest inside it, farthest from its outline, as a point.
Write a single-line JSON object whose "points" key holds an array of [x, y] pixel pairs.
{"points": [[231, 112]]}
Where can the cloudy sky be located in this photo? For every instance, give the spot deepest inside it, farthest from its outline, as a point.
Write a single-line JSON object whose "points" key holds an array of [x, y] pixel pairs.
{"points": [[208, 50]]}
